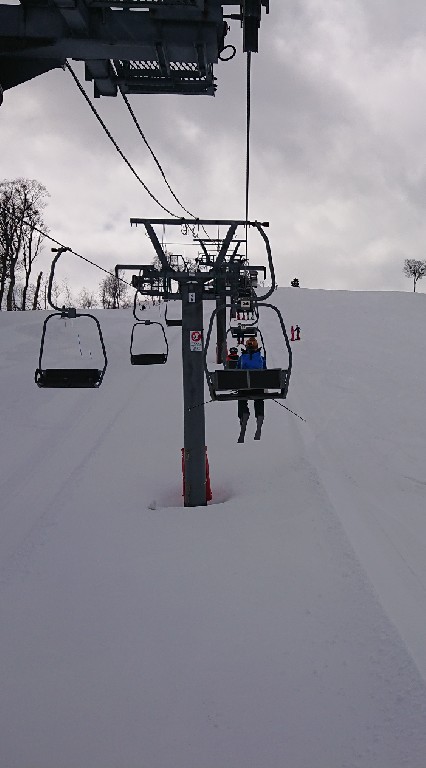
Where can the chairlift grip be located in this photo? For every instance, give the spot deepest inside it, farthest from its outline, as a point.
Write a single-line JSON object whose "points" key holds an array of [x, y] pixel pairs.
{"points": [[59, 253]]}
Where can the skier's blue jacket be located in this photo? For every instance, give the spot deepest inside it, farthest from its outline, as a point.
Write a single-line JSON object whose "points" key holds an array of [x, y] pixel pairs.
{"points": [[251, 360]]}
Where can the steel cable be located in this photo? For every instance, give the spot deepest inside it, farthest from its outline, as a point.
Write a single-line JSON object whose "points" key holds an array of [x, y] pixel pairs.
{"points": [[111, 138], [248, 118]]}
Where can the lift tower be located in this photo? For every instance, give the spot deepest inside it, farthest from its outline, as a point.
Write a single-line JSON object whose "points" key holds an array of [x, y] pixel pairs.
{"points": [[194, 286]]}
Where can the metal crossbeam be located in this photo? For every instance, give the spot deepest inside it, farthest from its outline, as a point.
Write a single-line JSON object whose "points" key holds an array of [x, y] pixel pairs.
{"points": [[201, 222], [170, 46]]}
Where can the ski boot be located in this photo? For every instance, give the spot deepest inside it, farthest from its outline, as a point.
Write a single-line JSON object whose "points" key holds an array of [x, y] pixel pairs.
{"points": [[258, 432], [243, 422]]}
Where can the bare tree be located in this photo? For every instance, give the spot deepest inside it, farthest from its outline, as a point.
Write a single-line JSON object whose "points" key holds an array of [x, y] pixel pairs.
{"points": [[113, 291], [32, 245], [36, 304], [67, 298], [87, 299], [21, 211], [16, 297], [415, 269]]}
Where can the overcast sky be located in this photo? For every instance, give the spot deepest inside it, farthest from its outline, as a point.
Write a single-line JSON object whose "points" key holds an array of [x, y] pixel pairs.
{"points": [[338, 148]]}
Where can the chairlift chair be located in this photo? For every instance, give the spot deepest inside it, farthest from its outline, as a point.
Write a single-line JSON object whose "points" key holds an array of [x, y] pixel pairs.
{"points": [[148, 358], [70, 378], [239, 328], [171, 321], [243, 330], [236, 384]]}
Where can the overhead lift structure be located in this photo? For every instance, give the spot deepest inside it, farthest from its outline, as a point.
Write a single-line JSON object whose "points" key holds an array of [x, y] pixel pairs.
{"points": [[135, 46]]}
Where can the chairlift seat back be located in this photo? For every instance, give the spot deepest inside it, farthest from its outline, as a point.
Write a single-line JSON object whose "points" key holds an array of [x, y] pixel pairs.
{"points": [[173, 322], [265, 378], [65, 378], [251, 384], [243, 331]]}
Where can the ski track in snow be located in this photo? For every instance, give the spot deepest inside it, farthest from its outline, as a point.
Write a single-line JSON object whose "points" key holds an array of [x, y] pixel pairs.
{"points": [[282, 625]]}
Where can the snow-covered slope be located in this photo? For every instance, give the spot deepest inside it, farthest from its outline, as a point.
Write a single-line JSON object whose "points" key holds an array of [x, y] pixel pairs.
{"points": [[284, 625]]}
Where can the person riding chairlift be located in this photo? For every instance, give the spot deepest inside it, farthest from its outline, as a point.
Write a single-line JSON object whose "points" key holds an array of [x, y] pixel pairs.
{"points": [[232, 358], [251, 359]]}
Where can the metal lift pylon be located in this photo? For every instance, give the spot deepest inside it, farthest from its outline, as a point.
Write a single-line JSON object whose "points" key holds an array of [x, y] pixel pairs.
{"points": [[194, 287]]}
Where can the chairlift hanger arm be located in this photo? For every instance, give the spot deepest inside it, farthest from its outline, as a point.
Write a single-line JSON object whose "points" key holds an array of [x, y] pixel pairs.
{"points": [[139, 319], [59, 252], [265, 238]]}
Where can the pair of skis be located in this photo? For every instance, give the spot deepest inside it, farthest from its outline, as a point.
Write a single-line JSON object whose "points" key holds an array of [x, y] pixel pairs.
{"points": [[243, 421]]}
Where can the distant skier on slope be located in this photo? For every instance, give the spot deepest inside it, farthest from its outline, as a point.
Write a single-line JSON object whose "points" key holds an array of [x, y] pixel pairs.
{"points": [[251, 359]]}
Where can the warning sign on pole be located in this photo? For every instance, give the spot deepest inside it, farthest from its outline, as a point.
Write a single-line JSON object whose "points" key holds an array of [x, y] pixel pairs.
{"points": [[195, 341]]}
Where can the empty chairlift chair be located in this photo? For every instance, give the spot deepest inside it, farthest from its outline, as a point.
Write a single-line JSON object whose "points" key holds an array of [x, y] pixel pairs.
{"points": [[171, 321], [74, 374], [74, 338], [148, 358], [242, 330]]}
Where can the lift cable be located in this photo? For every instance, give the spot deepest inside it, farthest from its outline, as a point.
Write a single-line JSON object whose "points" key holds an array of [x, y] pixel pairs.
{"points": [[145, 140], [248, 117], [290, 411], [111, 138], [83, 258], [157, 162]]}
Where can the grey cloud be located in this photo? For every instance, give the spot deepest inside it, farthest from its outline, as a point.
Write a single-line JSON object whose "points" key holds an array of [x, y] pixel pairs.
{"points": [[336, 161]]}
